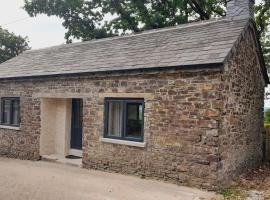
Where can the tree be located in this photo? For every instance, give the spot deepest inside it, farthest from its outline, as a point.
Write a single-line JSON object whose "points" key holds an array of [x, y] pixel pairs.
{"points": [[265, 41], [11, 45], [88, 19], [263, 23]]}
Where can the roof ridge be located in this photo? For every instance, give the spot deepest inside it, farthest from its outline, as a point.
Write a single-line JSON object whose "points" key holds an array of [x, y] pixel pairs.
{"points": [[183, 45], [159, 30]]}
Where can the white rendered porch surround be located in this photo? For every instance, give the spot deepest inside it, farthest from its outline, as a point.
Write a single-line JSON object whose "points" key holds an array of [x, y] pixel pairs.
{"points": [[56, 127]]}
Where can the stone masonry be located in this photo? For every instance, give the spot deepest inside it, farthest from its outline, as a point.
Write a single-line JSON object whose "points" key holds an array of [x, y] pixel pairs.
{"points": [[241, 127], [202, 127], [181, 108]]}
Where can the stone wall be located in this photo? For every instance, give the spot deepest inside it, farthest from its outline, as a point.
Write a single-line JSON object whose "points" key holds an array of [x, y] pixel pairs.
{"points": [[23, 143], [201, 127], [181, 122], [181, 116], [242, 119]]}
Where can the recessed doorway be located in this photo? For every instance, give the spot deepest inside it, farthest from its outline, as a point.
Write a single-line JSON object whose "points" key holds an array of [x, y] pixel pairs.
{"points": [[61, 130], [76, 128]]}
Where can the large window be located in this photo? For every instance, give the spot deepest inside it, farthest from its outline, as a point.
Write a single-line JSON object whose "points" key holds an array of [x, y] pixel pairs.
{"points": [[10, 111], [124, 119]]}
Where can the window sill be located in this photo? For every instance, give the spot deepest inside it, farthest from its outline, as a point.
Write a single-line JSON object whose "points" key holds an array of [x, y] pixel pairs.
{"points": [[10, 127], [123, 142]]}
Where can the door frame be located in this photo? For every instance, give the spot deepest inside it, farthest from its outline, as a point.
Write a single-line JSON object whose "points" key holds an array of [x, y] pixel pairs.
{"points": [[72, 151]]}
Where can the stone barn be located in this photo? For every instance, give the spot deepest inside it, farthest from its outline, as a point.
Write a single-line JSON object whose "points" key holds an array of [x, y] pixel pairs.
{"points": [[182, 103]]}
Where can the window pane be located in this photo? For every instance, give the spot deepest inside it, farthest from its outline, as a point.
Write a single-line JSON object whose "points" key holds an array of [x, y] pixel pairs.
{"points": [[134, 120], [15, 112], [6, 112], [115, 119]]}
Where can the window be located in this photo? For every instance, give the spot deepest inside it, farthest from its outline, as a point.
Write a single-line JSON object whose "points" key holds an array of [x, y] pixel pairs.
{"points": [[124, 119], [10, 111]]}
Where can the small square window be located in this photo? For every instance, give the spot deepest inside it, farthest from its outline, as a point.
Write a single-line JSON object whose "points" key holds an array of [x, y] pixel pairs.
{"points": [[124, 119], [10, 111]]}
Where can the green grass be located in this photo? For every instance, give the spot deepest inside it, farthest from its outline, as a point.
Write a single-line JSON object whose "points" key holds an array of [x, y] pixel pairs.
{"points": [[233, 194], [266, 125]]}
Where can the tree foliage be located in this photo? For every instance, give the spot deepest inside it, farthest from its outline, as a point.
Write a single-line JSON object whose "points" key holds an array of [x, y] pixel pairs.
{"points": [[92, 19], [11, 45], [88, 19], [263, 22], [267, 117]]}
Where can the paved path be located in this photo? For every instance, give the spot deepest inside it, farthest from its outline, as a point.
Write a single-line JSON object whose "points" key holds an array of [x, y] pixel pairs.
{"points": [[27, 180]]}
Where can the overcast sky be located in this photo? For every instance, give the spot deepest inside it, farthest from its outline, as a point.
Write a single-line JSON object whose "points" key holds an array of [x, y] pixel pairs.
{"points": [[42, 31]]}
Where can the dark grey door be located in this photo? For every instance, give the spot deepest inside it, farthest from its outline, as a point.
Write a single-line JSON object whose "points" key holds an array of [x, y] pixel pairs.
{"points": [[76, 124]]}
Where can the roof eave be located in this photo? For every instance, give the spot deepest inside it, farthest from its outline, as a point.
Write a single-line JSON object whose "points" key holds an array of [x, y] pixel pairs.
{"points": [[193, 67], [261, 57]]}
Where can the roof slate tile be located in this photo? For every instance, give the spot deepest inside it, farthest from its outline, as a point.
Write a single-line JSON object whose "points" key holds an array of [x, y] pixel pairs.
{"points": [[190, 44]]}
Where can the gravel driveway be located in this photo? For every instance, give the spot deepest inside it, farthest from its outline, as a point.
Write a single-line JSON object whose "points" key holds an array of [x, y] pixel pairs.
{"points": [[27, 180]]}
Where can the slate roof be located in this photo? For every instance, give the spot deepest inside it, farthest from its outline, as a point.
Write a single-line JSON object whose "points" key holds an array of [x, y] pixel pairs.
{"points": [[185, 45]]}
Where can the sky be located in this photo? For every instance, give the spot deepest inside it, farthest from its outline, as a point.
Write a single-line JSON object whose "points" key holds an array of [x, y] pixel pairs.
{"points": [[42, 31]]}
